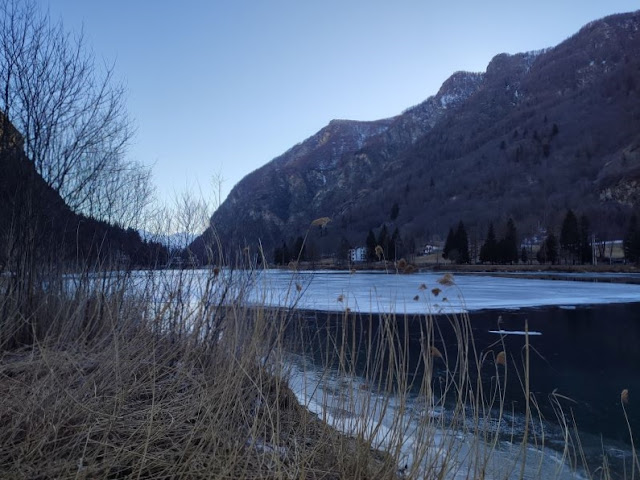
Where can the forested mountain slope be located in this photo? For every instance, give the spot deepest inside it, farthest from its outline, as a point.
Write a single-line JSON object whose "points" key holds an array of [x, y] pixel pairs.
{"points": [[535, 134]]}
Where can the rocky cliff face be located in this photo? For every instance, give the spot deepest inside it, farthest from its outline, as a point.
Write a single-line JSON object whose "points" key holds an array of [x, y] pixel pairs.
{"points": [[535, 134]]}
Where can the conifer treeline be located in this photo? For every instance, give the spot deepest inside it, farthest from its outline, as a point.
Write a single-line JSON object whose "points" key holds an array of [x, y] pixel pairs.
{"points": [[574, 245], [503, 251]]}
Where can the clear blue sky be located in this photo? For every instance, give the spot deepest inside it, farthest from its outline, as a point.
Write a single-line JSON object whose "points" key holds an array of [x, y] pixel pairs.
{"points": [[227, 85]]}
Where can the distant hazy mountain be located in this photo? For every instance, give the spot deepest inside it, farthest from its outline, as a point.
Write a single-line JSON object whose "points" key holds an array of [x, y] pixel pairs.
{"points": [[175, 241], [533, 135]]}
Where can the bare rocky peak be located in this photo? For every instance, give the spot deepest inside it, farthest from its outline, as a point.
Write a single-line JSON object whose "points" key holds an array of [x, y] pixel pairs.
{"points": [[330, 143], [458, 87]]}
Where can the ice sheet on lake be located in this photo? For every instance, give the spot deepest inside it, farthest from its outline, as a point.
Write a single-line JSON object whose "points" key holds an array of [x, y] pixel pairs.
{"points": [[421, 293], [515, 332], [351, 406]]}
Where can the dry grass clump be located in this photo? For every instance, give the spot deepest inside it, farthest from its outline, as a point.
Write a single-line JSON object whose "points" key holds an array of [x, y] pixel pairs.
{"points": [[119, 389], [120, 411]]}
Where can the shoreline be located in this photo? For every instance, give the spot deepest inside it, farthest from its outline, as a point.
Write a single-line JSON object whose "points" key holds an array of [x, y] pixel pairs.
{"points": [[629, 274]]}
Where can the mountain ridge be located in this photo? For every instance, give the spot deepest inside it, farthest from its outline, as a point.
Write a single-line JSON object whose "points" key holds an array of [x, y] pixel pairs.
{"points": [[534, 127]]}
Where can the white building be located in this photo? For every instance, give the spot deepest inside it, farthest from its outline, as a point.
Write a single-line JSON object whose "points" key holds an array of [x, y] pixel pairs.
{"points": [[358, 254], [428, 249]]}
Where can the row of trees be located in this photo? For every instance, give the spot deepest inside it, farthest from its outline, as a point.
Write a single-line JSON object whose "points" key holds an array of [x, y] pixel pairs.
{"points": [[282, 255], [390, 244], [504, 250], [573, 246]]}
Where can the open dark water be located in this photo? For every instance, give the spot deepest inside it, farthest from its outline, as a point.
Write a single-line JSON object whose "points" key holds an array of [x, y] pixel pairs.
{"points": [[588, 354]]}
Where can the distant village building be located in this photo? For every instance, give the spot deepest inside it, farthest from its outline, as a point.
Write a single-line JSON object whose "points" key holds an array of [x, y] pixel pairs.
{"points": [[428, 249], [358, 254]]}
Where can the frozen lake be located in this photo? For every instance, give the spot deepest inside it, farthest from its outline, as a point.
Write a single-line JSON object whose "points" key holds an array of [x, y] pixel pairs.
{"points": [[570, 321], [585, 334], [378, 292]]}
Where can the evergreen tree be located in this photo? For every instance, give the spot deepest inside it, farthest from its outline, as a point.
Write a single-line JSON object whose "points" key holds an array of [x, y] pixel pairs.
{"points": [[383, 241], [509, 250], [631, 242], [461, 241], [489, 249], [524, 256], [286, 254], [395, 209], [448, 245], [548, 250], [371, 246], [343, 250], [570, 237], [299, 250], [277, 255], [394, 244], [586, 253], [281, 255]]}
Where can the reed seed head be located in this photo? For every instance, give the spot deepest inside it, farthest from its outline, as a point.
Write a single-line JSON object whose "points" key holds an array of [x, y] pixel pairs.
{"points": [[416, 298], [435, 352], [402, 264], [320, 222], [501, 359], [298, 287], [446, 280], [422, 287], [624, 396], [340, 298], [379, 251], [436, 291]]}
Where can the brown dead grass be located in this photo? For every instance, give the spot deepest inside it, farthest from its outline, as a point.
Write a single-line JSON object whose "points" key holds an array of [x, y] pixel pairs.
{"points": [[131, 401]]}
